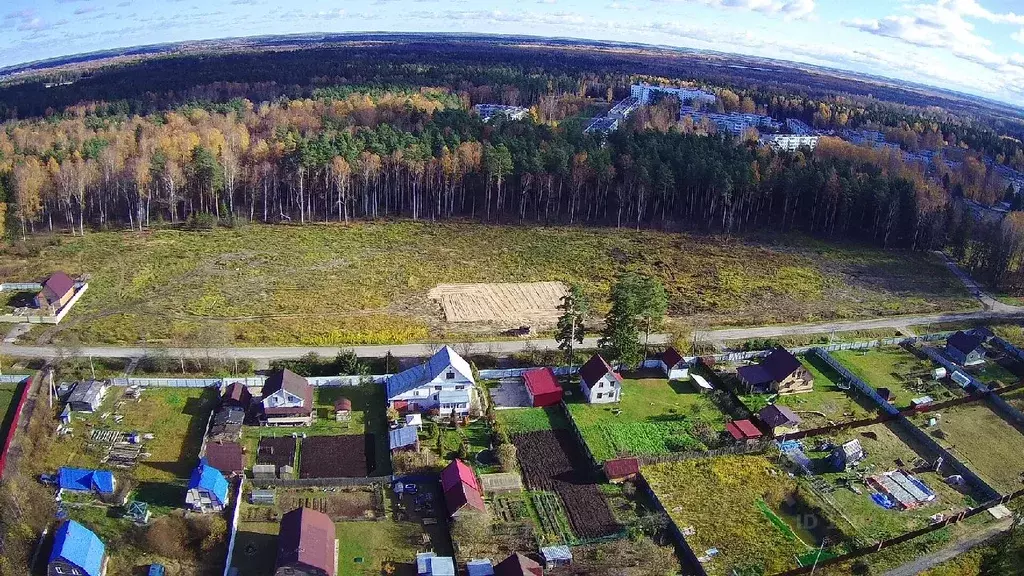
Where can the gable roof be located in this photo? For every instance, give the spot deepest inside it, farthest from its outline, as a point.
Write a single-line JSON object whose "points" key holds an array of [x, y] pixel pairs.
{"points": [[455, 473], [307, 537], [780, 364], [418, 375], [402, 437], [463, 495], [671, 357], [210, 479], [541, 381], [743, 430], [57, 285], [84, 480], [288, 381], [754, 375], [964, 342], [621, 468], [775, 415], [227, 456], [78, 545], [595, 369], [88, 391], [236, 392], [518, 565]]}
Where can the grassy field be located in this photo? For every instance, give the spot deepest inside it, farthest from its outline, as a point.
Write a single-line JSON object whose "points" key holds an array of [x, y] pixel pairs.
{"points": [[523, 420], [719, 498], [898, 370], [884, 447], [982, 440], [367, 282], [825, 405], [654, 416]]}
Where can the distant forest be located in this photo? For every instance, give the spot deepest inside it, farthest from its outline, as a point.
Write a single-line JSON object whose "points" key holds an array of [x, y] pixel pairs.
{"points": [[387, 131]]}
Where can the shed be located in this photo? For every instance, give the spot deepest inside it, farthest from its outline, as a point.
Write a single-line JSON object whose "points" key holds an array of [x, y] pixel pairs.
{"points": [[480, 567], [887, 395], [101, 482], [556, 556], [542, 386], [846, 456], [673, 365], [58, 289], [414, 421], [226, 457], [307, 544], [236, 394], [264, 472], [501, 483], [440, 566], [701, 383], [743, 430], [779, 419], [518, 565], [76, 550], [138, 512], [87, 396], [263, 497], [423, 562], [621, 469], [342, 410], [404, 438]]}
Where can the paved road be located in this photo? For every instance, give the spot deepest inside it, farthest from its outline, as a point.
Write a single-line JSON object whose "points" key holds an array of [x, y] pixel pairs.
{"points": [[923, 563]]}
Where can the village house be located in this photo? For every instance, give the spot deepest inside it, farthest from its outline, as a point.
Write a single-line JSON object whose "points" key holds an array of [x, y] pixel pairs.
{"points": [[779, 372], [207, 489], [542, 387], [306, 544], [779, 419], [461, 490], [287, 400], [598, 382], [966, 349], [76, 551], [518, 565], [444, 382], [98, 482], [673, 365], [87, 396], [57, 290]]}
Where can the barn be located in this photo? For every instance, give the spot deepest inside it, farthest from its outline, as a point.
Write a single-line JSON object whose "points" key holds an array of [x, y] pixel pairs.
{"points": [[542, 386], [673, 365]]}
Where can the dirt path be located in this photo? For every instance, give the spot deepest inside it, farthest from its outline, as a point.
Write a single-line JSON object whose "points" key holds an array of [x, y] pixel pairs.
{"points": [[959, 547]]}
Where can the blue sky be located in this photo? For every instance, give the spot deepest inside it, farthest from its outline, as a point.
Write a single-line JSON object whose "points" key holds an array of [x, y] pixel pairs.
{"points": [[975, 46]]}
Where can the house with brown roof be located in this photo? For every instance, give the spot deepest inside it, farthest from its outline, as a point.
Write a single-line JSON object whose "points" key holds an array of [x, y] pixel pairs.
{"points": [[779, 372], [287, 400], [599, 383], [58, 289], [518, 565], [779, 419], [673, 364], [306, 544], [236, 394], [226, 457]]}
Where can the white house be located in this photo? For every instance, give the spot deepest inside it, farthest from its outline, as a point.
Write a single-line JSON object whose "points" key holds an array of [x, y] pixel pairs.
{"points": [[598, 382], [673, 365], [444, 382], [287, 400]]}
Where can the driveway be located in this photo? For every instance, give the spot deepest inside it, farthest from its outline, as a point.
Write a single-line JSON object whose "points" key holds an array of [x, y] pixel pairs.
{"points": [[510, 393]]}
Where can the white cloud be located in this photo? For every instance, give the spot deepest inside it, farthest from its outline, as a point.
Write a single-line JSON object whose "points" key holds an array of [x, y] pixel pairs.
{"points": [[788, 8], [1018, 36]]}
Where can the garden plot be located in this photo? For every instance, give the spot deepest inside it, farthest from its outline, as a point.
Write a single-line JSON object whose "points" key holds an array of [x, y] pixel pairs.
{"points": [[904, 374], [728, 504], [512, 304], [886, 448], [653, 417], [279, 451], [981, 439], [347, 456], [523, 420], [7, 405]]}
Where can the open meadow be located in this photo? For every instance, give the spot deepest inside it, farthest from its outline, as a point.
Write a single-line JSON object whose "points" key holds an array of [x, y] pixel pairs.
{"points": [[368, 283], [898, 370]]}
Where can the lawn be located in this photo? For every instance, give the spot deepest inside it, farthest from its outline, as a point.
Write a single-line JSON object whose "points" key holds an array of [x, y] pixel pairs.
{"points": [[523, 420], [898, 370], [7, 392], [653, 417], [826, 404], [252, 284], [984, 441], [885, 448], [724, 500]]}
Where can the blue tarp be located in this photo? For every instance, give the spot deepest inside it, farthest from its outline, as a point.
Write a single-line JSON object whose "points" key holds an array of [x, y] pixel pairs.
{"points": [[883, 501], [423, 562], [77, 545], [83, 480]]}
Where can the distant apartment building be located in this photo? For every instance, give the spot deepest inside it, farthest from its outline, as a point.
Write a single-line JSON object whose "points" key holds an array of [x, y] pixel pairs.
{"points": [[799, 127], [789, 142], [489, 111], [645, 93], [733, 122]]}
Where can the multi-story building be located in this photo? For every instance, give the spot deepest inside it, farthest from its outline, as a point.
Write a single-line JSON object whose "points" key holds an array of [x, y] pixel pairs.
{"points": [[645, 93], [489, 111], [789, 142], [733, 122]]}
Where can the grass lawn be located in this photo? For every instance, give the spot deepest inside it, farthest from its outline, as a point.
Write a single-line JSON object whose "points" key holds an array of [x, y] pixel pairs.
{"points": [[654, 416], [523, 420], [984, 441], [720, 498], [884, 446], [898, 370], [991, 371], [7, 392], [823, 406], [253, 283]]}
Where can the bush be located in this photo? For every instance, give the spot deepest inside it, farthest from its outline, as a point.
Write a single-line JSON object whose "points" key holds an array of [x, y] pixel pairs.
{"points": [[201, 222], [424, 461], [508, 458]]}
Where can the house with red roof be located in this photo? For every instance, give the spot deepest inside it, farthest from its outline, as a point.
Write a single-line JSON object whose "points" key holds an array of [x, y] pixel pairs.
{"points": [[542, 386], [518, 565], [306, 544], [599, 383], [461, 489], [743, 430], [621, 469], [58, 289]]}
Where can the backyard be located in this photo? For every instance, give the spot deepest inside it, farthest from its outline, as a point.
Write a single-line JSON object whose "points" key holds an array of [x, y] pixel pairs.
{"points": [[730, 504], [898, 370], [654, 416], [251, 284], [523, 420]]}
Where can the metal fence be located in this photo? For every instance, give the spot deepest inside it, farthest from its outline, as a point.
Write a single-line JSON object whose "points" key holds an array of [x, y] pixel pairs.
{"points": [[855, 381], [13, 378], [20, 287], [234, 525]]}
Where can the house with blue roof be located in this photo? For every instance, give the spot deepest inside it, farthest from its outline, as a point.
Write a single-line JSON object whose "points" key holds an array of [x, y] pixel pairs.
{"points": [[444, 382], [480, 567], [404, 438], [207, 489], [99, 482], [78, 551]]}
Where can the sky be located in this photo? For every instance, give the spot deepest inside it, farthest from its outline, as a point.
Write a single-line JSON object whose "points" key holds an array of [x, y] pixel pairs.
{"points": [[973, 46]]}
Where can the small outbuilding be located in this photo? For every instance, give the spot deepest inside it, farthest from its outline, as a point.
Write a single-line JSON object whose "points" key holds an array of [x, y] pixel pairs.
{"points": [[966, 348], [236, 394], [414, 421], [58, 289], [263, 496], [76, 550], [87, 396], [405, 438], [779, 419], [556, 556], [621, 469], [480, 567], [138, 513], [847, 455], [542, 386], [673, 365], [743, 430], [342, 410], [887, 395], [99, 482]]}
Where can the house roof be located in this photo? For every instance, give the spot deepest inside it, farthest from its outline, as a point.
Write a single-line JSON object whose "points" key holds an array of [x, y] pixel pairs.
{"points": [[453, 397], [236, 392], [463, 495], [556, 553], [229, 415], [293, 384], [595, 369], [541, 381], [85, 480], [458, 473], [780, 364], [343, 404], [851, 449], [77, 545], [137, 509], [754, 375], [402, 437], [440, 566], [210, 479], [743, 430], [518, 565], [886, 394], [480, 567], [307, 537], [88, 391], [57, 285], [423, 561], [420, 374], [964, 342], [225, 456], [776, 415], [621, 468], [671, 357]]}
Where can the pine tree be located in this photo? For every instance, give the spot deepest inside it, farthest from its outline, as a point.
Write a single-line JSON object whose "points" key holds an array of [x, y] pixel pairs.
{"points": [[571, 329], [620, 339]]}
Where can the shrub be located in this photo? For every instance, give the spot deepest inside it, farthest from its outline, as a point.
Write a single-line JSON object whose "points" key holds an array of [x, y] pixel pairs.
{"points": [[424, 461], [507, 458]]}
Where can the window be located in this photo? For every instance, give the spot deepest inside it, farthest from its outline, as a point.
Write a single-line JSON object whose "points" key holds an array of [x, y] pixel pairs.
{"points": [[599, 395], [460, 387], [600, 385], [450, 375], [437, 388]]}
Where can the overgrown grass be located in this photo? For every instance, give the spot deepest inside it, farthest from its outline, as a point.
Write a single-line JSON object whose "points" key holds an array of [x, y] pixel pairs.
{"points": [[523, 420], [366, 283], [7, 392], [898, 370]]}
